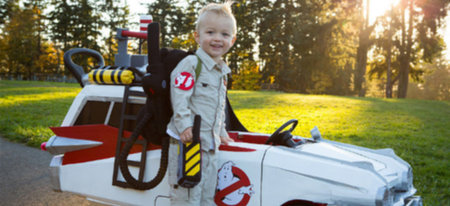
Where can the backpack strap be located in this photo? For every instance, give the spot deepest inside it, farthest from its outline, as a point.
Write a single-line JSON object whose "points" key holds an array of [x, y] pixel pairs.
{"points": [[198, 69]]}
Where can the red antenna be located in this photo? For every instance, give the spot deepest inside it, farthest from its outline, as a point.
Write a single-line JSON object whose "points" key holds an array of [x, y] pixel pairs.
{"points": [[145, 20]]}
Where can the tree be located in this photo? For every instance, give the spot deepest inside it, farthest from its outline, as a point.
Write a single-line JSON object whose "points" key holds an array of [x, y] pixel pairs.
{"points": [[364, 43], [7, 8], [435, 83], [61, 18], [415, 40], [4, 69], [78, 23], [244, 12], [274, 39], [48, 62], [22, 41], [164, 12], [37, 7], [87, 23], [305, 47], [405, 46], [248, 78], [115, 16], [183, 26]]}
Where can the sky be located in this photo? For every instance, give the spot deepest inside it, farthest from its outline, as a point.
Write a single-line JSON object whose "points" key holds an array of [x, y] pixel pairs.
{"points": [[136, 9]]}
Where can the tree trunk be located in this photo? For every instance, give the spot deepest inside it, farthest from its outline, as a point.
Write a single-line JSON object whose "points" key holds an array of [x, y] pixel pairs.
{"points": [[361, 55], [361, 67], [405, 51], [388, 78], [389, 54]]}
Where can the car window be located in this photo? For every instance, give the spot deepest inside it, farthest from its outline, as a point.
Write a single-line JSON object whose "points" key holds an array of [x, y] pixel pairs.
{"points": [[132, 109], [94, 112], [97, 112]]}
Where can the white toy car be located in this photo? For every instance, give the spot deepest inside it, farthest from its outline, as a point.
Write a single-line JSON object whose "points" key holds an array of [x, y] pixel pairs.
{"points": [[291, 171]]}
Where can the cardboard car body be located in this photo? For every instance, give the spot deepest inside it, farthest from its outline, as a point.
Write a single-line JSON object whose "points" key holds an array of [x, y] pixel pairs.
{"points": [[314, 172], [304, 171]]}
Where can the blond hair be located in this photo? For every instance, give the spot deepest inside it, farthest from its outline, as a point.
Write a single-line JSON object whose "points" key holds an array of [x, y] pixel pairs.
{"points": [[223, 9]]}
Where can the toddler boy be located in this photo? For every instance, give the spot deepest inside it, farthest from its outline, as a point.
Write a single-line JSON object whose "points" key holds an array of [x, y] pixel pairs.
{"points": [[206, 96]]}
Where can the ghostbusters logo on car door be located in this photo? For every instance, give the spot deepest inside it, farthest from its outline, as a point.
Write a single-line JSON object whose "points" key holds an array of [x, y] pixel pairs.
{"points": [[233, 186]]}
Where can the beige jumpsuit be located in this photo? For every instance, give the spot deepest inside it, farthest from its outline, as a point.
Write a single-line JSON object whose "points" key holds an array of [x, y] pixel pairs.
{"points": [[206, 97]]}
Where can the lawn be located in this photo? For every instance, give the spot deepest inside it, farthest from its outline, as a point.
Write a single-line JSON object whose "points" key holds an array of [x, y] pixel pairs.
{"points": [[418, 130]]}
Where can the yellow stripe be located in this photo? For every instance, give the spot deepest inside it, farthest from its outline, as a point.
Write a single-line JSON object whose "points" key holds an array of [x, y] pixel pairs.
{"points": [[107, 76], [116, 76], [91, 76], [194, 170], [192, 162], [192, 151], [97, 76]]}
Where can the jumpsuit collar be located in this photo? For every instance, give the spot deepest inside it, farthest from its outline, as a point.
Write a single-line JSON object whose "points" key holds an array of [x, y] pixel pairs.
{"points": [[210, 63]]}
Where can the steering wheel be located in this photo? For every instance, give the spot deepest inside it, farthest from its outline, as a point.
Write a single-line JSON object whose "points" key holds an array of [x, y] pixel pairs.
{"points": [[285, 136]]}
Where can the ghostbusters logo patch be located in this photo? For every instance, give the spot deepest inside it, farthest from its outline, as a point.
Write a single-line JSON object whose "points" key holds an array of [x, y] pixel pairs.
{"points": [[184, 81]]}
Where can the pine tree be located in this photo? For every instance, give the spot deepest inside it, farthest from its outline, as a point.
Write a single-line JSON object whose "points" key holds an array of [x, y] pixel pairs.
{"points": [[7, 8], [244, 12], [164, 12], [21, 49], [300, 45], [114, 16], [61, 20]]}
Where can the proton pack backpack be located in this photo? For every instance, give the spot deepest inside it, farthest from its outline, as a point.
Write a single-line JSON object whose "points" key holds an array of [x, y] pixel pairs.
{"points": [[155, 115], [156, 84]]}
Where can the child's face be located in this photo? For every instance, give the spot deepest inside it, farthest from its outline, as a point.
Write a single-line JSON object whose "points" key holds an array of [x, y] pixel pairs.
{"points": [[215, 35]]}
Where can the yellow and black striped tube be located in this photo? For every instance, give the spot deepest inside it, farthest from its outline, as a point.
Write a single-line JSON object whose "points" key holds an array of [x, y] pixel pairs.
{"points": [[111, 76], [192, 159]]}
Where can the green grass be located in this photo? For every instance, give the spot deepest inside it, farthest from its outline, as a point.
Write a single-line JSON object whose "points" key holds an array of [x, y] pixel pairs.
{"points": [[28, 109], [417, 130]]}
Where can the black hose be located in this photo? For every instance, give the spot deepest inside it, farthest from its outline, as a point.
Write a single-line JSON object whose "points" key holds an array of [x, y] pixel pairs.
{"points": [[141, 185], [153, 102]]}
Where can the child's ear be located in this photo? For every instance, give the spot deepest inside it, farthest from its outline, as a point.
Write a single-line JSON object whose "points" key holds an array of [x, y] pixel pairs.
{"points": [[196, 37], [233, 40]]}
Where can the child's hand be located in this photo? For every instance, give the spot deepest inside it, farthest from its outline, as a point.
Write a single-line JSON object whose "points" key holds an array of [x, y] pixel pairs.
{"points": [[226, 140], [186, 136]]}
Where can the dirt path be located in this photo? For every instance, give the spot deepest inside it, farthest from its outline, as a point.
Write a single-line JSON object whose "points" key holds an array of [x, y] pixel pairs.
{"points": [[25, 180]]}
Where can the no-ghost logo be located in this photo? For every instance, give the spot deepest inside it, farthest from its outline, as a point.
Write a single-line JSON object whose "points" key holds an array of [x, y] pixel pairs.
{"points": [[233, 186]]}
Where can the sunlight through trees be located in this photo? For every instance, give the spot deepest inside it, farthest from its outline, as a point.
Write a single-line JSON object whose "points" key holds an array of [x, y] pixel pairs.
{"points": [[323, 47]]}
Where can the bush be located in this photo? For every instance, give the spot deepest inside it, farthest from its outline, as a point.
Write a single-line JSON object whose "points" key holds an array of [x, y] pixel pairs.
{"points": [[249, 77]]}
